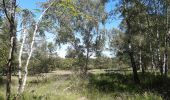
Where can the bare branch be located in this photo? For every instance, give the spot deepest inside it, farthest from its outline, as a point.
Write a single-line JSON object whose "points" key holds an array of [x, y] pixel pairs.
{"points": [[5, 11]]}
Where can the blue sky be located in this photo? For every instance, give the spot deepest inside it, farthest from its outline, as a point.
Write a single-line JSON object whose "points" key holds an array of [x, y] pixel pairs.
{"points": [[33, 4], [29, 4]]}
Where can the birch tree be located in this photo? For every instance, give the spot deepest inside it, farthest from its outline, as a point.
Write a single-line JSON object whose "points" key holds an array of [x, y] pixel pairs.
{"points": [[27, 21], [23, 83]]}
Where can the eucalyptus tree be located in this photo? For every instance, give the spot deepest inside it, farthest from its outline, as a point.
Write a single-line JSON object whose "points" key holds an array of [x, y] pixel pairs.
{"points": [[166, 18], [157, 18], [82, 18], [131, 12], [27, 21], [55, 18], [145, 33], [89, 28], [99, 46], [22, 80], [9, 9]]}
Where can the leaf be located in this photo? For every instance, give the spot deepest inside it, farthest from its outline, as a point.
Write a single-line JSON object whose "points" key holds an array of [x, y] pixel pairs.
{"points": [[37, 10], [18, 9]]}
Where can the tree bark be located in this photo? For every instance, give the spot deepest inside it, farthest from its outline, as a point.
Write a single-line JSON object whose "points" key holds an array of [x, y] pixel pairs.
{"points": [[131, 52], [165, 64], [150, 45], [9, 67], [130, 49], [31, 51], [12, 29], [134, 68], [20, 62], [165, 59], [140, 62], [87, 60], [140, 49], [159, 65]]}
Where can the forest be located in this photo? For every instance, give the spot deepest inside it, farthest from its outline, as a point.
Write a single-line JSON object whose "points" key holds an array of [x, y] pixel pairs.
{"points": [[84, 49]]}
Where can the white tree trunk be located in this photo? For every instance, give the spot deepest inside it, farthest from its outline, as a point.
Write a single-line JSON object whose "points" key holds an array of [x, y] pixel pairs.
{"points": [[20, 61], [152, 59], [165, 63], [140, 60], [158, 49], [32, 44], [29, 57]]}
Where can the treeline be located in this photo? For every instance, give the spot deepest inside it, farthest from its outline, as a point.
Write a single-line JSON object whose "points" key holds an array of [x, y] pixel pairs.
{"points": [[44, 65], [144, 37]]}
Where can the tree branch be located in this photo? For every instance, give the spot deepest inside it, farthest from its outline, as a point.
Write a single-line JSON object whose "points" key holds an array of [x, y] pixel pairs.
{"points": [[5, 11]]}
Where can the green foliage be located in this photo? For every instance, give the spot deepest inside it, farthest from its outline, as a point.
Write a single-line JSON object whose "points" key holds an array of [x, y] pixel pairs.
{"points": [[102, 63], [4, 43], [67, 64], [43, 65]]}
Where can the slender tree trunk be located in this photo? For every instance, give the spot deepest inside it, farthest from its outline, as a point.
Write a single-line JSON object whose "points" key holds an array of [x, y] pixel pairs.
{"points": [[159, 64], [20, 62], [9, 67], [87, 60], [131, 53], [12, 29], [152, 59], [150, 45], [140, 47], [28, 60], [32, 44], [87, 54], [134, 68], [130, 49], [140, 62], [165, 65]]}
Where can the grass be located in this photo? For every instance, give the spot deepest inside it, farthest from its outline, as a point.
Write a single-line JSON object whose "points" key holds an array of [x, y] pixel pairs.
{"points": [[98, 86]]}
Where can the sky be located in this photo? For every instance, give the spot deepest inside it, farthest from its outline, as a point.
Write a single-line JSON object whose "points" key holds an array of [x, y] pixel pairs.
{"points": [[33, 4]]}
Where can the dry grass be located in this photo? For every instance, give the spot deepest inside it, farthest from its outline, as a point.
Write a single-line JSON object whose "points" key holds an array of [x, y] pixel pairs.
{"points": [[64, 85]]}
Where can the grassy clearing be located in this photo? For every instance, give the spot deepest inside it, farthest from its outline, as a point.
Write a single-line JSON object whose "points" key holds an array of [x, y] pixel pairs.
{"points": [[98, 86]]}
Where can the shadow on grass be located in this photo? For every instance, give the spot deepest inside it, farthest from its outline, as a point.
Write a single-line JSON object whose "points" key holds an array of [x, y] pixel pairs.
{"points": [[2, 81], [115, 82]]}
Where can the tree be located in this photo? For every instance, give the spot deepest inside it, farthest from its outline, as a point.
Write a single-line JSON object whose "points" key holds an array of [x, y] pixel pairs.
{"points": [[27, 20], [165, 60], [130, 15], [99, 47], [89, 28], [41, 25], [80, 21], [10, 16], [143, 25], [22, 82]]}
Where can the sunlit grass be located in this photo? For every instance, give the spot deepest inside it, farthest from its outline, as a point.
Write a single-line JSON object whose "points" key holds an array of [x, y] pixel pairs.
{"points": [[72, 87]]}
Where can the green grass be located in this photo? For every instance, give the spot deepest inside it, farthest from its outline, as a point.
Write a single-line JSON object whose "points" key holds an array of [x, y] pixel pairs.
{"points": [[98, 86]]}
